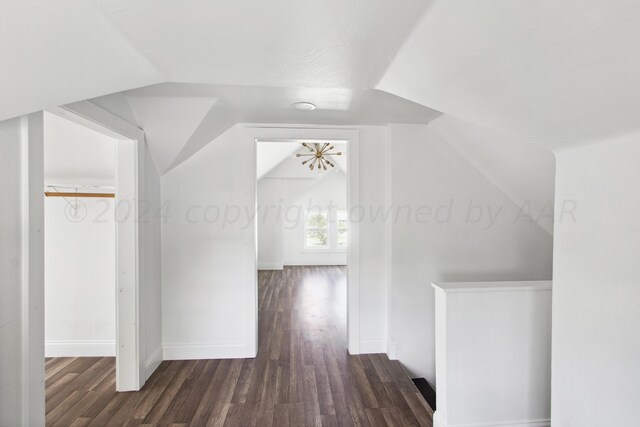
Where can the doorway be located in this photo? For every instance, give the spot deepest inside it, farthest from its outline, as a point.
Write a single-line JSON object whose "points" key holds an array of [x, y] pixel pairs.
{"points": [[350, 216], [80, 270], [91, 260]]}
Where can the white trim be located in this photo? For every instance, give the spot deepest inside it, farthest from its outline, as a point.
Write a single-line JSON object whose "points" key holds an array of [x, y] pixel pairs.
{"points": [[503, 286], [127, 269], [270, 266], [92, 348], [392, 350], [307, 261], [438, 421], [311, 133], [389, 333], [353, 245], [130, 374], [205, 351], [32, 258], [153, 362], [373, 346]]}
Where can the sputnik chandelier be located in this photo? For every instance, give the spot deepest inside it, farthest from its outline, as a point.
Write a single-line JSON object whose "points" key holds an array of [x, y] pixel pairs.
{"points": [[317, 155]]}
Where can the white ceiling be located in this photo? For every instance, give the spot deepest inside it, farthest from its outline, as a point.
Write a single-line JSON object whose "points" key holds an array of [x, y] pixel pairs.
{"points": [[556, 72], [282, 43], [277, 160], [63, 51], [179, 118]]}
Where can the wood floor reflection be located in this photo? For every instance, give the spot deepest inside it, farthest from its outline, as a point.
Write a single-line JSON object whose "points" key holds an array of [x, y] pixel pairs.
{"points": [[302, 376]]}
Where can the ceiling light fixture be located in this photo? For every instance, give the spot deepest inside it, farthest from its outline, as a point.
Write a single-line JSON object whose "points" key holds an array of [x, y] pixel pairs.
{"points": [[303, 106], [317, 153]]}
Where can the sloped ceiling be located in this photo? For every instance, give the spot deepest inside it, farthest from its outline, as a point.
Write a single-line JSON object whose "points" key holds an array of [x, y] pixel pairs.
{"points": [[169, 122], [555, 72], [63, 51], [56, 52], [276, 160], [180, 118], [271, 154], [330, 43], [525, 173], [551, 72]]}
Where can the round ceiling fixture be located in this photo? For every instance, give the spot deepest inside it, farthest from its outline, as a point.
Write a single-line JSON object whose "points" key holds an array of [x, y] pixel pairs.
{"points": [[303, 106]]}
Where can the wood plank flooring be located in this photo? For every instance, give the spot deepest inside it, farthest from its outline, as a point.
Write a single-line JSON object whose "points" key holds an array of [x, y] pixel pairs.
{"points": [[302, 376]]}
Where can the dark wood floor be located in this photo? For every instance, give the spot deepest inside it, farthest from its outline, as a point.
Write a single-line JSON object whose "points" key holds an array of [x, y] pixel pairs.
{"points": [[301, 376]]}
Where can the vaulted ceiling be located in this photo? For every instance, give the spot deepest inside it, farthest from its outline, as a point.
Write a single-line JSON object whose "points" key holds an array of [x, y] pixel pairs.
{"points": [[179, 118], [549, 72], [58, 52], [554, 72]]}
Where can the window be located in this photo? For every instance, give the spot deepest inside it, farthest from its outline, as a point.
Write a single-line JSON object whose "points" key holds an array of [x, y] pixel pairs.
{"points": [[316, 230], [341, 224], [325, 230]]}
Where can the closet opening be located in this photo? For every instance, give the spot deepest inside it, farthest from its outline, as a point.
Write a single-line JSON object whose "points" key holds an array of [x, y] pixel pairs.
{"points": [[88, 174]]}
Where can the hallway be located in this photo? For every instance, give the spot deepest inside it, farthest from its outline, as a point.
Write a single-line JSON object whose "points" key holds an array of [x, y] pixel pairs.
{"points": [[302, 374]]}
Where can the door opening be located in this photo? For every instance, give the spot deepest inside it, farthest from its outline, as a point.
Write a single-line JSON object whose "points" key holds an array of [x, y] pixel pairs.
{"points": [[90, 244], [317, 226]]}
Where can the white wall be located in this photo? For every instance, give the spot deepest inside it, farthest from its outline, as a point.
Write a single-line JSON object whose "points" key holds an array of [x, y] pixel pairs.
{"points": [[149, 217], [596, 297], [493, 353], [524, 172], [80, 282], [282, 203], [80, 252], [440, 242], [76, 154], [207, 262], [328, 193], [208, 258]]}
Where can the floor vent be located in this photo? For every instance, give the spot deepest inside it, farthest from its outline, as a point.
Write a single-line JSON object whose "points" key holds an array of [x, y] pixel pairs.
{"points": [[426, 391]]}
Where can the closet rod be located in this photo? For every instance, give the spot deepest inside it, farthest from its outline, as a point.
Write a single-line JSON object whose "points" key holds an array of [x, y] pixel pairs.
{"points": [[96, 195]]}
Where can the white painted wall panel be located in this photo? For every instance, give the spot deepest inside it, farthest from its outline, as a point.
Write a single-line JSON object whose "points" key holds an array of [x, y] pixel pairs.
{"points": [[596, 297], [493, 353], [80, 282], [452, 224], [208, 258], [208, 261]]}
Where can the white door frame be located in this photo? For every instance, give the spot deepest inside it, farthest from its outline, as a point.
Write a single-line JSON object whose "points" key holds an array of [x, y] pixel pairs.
{"points": [[130, 372], [284, 133]]}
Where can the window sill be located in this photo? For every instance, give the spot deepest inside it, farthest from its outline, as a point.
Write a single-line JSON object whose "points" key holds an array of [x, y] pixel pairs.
{"points": [[323, 251]]}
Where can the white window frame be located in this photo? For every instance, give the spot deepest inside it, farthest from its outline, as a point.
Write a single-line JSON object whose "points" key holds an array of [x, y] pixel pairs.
{"points": [[337, 230], [332, 229], [306, 229]]}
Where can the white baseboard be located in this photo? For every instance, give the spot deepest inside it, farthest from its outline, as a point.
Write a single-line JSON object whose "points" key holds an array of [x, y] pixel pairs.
{"points": [[392, 351], [96, 348], [373, 346], [204, 351], [152, 363], [305, 262], [270, 266], [546, 422], [438, 421]]}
